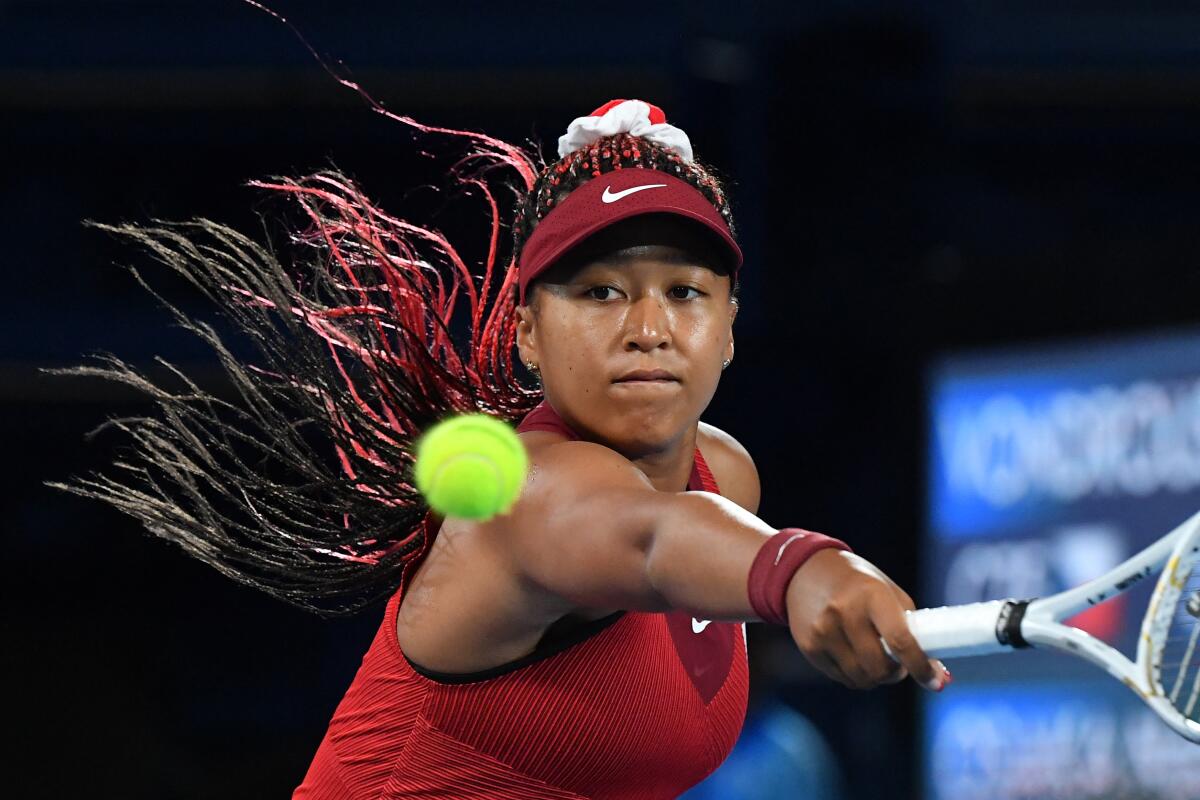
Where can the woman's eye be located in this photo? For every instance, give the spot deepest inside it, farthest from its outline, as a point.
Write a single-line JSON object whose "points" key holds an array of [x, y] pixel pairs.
{"points": [[601, 292], [681, 292]]}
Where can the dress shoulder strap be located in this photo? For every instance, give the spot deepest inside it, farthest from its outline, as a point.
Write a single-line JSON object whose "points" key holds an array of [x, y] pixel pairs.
{"points": [[544, 418]]}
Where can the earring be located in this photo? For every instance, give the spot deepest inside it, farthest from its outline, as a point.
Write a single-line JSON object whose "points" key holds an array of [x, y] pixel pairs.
{"points": [[532, 367], [726, 363]]}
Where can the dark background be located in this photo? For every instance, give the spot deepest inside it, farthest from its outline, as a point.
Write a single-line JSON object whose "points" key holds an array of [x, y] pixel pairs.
{"points": [[909, 179]]}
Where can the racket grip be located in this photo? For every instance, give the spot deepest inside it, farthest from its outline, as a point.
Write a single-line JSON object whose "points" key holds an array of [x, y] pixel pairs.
{"points": [[955, 631]]}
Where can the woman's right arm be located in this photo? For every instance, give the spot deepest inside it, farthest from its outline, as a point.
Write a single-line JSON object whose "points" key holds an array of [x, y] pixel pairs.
{"points": [[591, 529]]}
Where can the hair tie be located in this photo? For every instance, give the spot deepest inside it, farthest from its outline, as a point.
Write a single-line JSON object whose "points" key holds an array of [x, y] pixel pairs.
{"points": [[635, 117]]}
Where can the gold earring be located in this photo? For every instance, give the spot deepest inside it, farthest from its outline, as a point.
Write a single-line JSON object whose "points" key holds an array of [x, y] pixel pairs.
{"points": [[532, 367]]}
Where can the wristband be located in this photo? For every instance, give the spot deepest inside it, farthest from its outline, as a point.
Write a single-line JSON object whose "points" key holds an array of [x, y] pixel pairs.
{"points": [[776, 563]]}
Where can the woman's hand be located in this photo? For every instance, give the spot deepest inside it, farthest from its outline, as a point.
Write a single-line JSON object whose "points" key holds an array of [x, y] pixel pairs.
{"points": [[839, 605]]}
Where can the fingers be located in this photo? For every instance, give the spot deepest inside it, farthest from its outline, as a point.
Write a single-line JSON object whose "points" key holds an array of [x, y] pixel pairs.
{"points": [[889, 621], [826, 664], [845, 646], [826, 647], [874, 666], [850, 609], [904, 598]]}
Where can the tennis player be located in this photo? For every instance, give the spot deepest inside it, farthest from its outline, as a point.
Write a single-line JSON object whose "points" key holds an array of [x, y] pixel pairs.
{"points": [[589, 644]]}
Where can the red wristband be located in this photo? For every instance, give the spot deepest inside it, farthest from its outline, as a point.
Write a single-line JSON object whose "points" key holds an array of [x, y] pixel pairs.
{"points": [[776, 563]]}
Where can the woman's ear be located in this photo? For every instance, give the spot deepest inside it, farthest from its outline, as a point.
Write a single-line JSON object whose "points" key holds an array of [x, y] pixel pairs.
{"points": [[526, 330]]}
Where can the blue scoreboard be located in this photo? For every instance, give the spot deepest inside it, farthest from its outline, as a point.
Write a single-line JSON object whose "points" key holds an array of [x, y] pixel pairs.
{"points": [[1046, 467]]}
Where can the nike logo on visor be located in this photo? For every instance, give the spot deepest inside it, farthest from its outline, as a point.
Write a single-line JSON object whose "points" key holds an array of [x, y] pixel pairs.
{"points": [[610, 196]]}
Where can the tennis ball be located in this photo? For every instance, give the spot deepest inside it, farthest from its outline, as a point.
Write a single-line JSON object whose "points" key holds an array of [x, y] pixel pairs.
{"points": [[472, 466]]}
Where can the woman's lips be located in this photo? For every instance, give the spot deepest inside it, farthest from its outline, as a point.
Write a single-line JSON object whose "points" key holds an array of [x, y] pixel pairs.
{"points": [[659, 382], [647, 376]]}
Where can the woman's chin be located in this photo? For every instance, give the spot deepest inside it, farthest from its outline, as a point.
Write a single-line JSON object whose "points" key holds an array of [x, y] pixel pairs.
{"points": [[646, 427]]}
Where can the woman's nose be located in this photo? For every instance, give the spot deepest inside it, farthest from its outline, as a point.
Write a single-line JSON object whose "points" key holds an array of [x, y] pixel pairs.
{"points": [[647, 324]]}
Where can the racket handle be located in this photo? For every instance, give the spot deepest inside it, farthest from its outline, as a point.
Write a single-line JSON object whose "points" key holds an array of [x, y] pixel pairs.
{"points": [[954, 631]]}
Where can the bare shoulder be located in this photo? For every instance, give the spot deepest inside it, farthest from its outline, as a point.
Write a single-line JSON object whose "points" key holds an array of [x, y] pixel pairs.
{"points": [[731, 465], [565, 476], [556, 462]]}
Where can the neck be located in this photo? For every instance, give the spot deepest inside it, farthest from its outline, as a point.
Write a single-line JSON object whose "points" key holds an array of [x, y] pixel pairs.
{"points": [[670, 469]]}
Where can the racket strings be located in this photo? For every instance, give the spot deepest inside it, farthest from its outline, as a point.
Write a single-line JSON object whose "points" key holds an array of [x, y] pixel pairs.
{"points": [[1180, 657]]}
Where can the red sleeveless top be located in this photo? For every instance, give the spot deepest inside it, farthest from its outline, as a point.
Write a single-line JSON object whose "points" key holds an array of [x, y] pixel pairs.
{"points": [[635, 705]]}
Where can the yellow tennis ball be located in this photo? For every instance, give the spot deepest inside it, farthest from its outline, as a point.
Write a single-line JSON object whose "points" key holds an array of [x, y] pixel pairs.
{"points": [[472, 466]]}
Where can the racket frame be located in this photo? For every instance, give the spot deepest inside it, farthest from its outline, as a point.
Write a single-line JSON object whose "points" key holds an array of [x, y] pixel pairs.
{"points": [[1003, 625]]}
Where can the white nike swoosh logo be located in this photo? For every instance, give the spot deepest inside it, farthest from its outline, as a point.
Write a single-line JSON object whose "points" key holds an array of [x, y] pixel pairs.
{"points": [[698, 625], [610, 196], [783, 546]]}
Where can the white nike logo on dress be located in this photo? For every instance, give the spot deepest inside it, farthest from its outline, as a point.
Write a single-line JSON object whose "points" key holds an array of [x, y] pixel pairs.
{"points": [[698, 625], [610, 196]]}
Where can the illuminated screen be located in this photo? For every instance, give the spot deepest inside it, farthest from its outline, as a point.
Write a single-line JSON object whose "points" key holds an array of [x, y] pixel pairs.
{"points": [[1048, 467]]}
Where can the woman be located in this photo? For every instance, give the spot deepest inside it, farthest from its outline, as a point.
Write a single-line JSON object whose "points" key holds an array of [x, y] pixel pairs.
{"points": [[587, 643]]}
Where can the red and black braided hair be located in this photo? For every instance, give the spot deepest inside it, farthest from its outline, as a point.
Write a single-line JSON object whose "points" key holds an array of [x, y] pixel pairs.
{"points": [[300, 485]]}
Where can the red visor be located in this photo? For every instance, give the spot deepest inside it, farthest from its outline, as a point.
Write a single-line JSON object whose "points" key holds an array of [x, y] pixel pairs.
{"points": [[610, 198]]}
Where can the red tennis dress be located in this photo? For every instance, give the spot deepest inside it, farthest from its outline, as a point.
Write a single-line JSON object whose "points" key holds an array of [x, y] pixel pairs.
{"points": [[634, 705]]}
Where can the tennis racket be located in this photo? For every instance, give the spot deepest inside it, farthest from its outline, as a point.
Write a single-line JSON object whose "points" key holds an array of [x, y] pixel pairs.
{"points": [[1166, 674]]}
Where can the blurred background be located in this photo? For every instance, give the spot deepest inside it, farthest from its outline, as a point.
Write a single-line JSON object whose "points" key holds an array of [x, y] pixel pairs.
{"points": [[969, 344]]}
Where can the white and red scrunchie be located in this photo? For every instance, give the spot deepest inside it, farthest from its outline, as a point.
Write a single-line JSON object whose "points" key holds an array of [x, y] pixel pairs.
{"points": [[635, 117]]}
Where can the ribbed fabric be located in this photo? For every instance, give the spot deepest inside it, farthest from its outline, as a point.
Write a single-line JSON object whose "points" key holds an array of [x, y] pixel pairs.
{"points": [[643, 709]]}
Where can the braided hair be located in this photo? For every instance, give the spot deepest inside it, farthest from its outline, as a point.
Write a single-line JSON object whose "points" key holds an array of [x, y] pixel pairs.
{"points": [[368, 332], [301, 485], [610, 154]]}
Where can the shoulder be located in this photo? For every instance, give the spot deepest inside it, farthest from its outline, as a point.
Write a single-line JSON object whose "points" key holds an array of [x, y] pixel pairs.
{"points": [[564, 468], [731, 465], [551, 453]]}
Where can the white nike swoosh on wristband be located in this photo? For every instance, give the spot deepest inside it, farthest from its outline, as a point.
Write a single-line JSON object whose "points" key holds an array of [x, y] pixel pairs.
{"points": [[698, 625], [785, 544], [610, 196]]}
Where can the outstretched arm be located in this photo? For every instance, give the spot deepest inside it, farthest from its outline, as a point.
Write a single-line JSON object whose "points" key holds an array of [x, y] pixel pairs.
{"points": [[591, 529]]}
